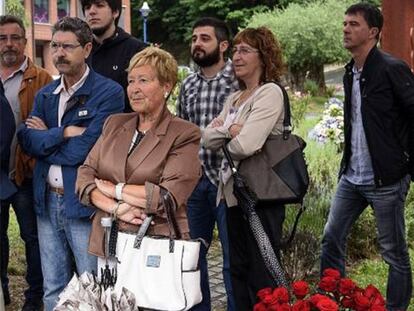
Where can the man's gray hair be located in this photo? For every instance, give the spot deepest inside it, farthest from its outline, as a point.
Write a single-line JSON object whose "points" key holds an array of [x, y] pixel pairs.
{"points": [[74, 24]]}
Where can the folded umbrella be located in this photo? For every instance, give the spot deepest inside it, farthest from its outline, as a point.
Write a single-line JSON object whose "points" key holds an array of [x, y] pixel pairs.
{"points": [[84, 294], [247, 201]]}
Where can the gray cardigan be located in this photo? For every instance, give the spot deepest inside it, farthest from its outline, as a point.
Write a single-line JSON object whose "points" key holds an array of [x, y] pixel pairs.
{"points": [[261, 115]]}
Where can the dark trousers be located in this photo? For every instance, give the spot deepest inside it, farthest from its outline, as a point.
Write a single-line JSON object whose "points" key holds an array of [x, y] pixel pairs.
{"points": [[247, 268], [203, 213], [22, 203]]}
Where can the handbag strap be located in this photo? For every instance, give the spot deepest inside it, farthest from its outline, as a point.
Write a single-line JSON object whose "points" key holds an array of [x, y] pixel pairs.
{"points": [[287, 129], [287, 124], [229, 158], [169, 205], [286, 242]]}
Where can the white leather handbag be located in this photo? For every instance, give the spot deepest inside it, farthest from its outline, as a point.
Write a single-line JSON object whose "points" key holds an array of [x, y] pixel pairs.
{"points": [[159, 278], [162, 272]]}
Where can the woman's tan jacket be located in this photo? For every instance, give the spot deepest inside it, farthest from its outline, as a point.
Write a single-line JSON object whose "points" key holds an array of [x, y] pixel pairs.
{"points": [[261, 115], [166, 157]]}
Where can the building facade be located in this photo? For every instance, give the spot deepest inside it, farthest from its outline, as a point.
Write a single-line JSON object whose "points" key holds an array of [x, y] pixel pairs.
{"points": [[42, 14], [397, 35]]}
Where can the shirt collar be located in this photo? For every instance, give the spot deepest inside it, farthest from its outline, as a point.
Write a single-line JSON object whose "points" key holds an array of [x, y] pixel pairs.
{"points": [[21, 69], [74, 87], [355, 70]]}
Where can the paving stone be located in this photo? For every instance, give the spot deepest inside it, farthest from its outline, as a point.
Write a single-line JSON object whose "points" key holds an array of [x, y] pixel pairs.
{"points": [[215, 266]]}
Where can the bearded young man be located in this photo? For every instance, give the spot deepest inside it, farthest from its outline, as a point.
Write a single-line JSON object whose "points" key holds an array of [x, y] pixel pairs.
{"points": [[112, 46], [201, 99], [21, 79]]}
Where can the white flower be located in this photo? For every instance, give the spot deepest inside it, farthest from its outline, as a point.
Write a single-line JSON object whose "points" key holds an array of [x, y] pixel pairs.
{"points": [[331, 126]]}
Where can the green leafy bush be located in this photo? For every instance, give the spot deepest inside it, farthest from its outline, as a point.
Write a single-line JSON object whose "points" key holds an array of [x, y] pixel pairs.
{"points": [[301, 257], [311, 87], [299, 104], [311, 43], [173, 99]]}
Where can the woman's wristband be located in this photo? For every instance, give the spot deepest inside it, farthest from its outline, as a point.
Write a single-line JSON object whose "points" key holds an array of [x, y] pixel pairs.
{"points": [[118, 190]]}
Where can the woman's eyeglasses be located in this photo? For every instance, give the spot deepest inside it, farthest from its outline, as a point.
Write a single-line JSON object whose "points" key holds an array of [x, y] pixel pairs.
{"points": [[244, 50]]}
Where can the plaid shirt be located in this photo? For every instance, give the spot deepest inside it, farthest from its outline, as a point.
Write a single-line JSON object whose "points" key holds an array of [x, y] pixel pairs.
{"points": [[200, 101]]}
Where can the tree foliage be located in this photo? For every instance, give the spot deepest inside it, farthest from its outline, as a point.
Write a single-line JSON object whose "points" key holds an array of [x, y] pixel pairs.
{"points": [[15, 7], [170, 21], [310, 36]]}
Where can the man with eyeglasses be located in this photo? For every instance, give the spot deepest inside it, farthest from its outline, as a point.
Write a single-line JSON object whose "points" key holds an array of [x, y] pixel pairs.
{"points": [[65, 123], [21, 80], [201, 99], [112, 46]]}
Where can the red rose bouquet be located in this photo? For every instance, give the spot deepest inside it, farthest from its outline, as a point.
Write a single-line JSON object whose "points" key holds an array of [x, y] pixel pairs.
{"points": [[333, 293]]}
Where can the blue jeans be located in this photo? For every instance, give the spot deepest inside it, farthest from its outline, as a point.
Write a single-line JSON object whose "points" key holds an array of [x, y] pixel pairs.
{"points": [[22, 203], [202, 214], [60, 240], [388, 205]]}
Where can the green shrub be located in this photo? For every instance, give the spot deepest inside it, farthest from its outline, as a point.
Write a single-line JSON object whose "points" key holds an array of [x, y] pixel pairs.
{"points": [[362, 241], [300, 258], [409, 217], [299, 104], [330, 91], [173, 99], [311, 87]]}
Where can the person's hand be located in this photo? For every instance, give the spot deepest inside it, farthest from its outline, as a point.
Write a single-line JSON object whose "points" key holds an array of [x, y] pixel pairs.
{"points": [[106, 187], [216, 122], [73, 130], [35, 123], [131, 214], [235, 129]]}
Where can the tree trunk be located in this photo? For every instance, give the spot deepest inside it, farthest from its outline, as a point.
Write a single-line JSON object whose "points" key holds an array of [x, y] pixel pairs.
{"points": [[316, 74], [296, 79]]}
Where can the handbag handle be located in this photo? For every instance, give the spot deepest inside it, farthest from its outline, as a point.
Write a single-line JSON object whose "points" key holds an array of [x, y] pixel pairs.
{"points": [[168, 204]]}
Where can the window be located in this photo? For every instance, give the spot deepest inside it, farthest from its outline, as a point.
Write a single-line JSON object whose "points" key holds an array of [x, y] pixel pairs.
{"points": [[41, 11], [39, 54], [63, 7]]}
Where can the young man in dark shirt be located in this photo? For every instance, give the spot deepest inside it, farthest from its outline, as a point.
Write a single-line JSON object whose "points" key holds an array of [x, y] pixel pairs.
{"points": [[112, 46]]}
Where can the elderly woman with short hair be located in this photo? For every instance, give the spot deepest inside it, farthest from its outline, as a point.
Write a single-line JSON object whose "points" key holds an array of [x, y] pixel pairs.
{"points": [[141, 155]]}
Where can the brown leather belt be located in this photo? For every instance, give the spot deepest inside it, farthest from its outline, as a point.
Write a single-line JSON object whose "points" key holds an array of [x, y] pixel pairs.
{"points": [[56, 190]]}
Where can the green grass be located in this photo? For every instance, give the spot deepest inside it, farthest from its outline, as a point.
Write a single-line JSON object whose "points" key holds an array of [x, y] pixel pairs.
{"points": [[17, 261], [375, 272], [317, 104]]}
